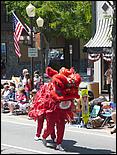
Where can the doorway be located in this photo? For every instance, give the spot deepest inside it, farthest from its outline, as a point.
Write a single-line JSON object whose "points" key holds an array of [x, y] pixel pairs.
{"points": [[104, 66]]}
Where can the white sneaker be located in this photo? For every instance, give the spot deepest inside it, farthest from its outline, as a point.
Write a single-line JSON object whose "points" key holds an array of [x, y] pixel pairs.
{"points": [[36, 138], [58, 147]]}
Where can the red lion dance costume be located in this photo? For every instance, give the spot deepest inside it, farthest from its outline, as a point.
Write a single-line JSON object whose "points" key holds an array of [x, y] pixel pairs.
{"points": [[55, 102]]}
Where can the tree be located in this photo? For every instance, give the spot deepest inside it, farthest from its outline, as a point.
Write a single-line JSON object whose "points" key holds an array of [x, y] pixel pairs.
{"points": [[70, 19]]}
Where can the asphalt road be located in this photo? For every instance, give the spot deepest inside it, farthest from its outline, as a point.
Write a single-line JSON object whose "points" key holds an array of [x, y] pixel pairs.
{"points": [[17, 133]]}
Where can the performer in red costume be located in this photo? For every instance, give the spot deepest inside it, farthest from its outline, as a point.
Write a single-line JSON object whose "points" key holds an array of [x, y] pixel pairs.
{"points": [[40, 116], [54, 100]]}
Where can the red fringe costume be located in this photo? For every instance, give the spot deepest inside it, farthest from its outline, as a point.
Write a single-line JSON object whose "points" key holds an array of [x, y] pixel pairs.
{"points": [[54, 101]]}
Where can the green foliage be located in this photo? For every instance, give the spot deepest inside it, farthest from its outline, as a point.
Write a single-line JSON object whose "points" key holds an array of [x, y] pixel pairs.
{"points": [[70, 19]]}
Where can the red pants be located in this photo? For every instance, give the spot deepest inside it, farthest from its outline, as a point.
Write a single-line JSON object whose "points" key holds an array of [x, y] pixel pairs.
{"points": [[52, 120], [40, 122]]}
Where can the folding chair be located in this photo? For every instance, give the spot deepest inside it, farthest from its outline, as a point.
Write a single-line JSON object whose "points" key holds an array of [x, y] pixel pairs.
{"points": [[95, 111], [93, 114], [107, 108], [107, 116]]}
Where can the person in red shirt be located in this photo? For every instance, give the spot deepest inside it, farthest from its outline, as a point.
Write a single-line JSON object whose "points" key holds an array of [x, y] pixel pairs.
{"points": [[27, 85]]}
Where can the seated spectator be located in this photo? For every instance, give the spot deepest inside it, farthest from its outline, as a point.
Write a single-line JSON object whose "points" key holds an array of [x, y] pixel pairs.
{"points": [[113, 130], [12, 83], [5, 83], [106, 107], [12, 95], [37, 81], [97, 101], [21, 101], [4, 96]]}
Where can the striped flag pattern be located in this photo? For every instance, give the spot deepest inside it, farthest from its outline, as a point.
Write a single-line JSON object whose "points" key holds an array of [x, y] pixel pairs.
{"points": [[17, 30]]}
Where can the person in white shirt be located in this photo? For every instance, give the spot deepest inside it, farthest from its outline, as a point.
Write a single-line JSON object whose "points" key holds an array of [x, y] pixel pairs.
{"points": [[37, 81], [4, 95], [24, 80]]}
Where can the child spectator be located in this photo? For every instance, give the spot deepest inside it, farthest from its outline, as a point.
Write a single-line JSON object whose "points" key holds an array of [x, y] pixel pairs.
{"points": [[12, 94], [4, 96], [21, 101], [21, 98]]}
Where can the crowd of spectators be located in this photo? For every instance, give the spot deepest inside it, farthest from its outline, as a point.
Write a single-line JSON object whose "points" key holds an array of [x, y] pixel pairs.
{"points": [[20, 96]]}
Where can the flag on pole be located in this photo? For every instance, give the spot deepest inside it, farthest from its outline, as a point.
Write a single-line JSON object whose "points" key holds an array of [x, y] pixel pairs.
{"points": [[17, 30]]}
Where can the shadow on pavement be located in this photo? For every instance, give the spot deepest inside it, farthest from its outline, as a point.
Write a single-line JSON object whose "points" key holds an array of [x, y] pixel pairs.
{"points": [[68, 146]]}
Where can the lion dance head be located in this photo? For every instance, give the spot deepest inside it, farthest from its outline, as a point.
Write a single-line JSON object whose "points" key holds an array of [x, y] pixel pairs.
{"points": [[58, 93]]}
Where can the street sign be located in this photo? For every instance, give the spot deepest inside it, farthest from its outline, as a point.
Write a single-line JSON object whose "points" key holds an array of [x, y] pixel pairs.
{"points": [[32, 52]]}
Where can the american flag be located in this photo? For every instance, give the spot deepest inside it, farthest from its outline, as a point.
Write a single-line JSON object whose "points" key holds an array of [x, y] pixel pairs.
{"points": [[17, 30]]}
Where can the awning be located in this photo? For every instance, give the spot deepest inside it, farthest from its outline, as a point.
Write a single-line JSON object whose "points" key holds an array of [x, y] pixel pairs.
{"points": [[102, 40]]}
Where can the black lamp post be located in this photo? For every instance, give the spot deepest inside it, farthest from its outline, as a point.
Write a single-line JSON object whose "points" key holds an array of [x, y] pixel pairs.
{"points": [[70, 49], [31, 26], [30, 9], [42, 55], [40, 23]]}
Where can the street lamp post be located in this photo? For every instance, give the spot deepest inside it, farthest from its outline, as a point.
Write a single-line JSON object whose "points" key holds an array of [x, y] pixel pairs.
{"points": [[70, 49], [31, 47], [40, 23], [30, 10]]}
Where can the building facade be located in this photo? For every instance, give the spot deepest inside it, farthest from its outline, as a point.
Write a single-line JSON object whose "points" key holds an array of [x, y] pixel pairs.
{"points": [[99, 46], [103, 10], [15, 65]]}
